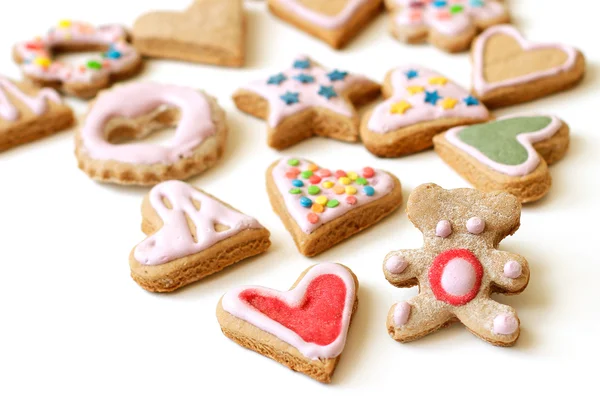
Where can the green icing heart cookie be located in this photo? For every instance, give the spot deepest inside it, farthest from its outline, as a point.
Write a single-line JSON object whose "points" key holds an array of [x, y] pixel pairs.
{"points": [[497, 140]]}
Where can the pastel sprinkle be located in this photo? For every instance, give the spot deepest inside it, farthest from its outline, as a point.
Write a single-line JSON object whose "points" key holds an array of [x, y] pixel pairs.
{"points": [[322, 200], [368, 172], [352, 175], [297, 183], [64, 23], [339, 189], [361, 181], [327, 184], [315, 179], [312, 218], [313, 167], [93, 64], [325, 173], [293, 162], [344, 180], [314, 190], [42, 61], [339, 173], [306, 174], [294, 171], [291, 175], [305, 202], [295, 191], [333, 203], [369, 191], [351, 200], [318, 208], [350, 190]]}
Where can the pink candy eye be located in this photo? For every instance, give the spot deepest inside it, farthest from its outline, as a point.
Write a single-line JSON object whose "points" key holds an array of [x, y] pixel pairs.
{"points": [[475, 225]]}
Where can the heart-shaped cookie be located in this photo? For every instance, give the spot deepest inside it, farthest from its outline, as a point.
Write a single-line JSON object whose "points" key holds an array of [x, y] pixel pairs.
{"points": [[209, 31], [304, 328], [321, 207], [507, 69]]}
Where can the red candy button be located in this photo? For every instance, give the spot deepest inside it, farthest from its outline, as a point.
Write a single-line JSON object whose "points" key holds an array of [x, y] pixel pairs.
{"points": [[312, 218], [324, 173], [314, 179], [351, 200], [368, 172], [340, 174]]}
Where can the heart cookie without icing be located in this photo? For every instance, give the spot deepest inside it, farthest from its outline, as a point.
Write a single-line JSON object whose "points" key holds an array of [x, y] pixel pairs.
{"points": [[507, 69], [304, 328], [320, 207], [209, 31]]}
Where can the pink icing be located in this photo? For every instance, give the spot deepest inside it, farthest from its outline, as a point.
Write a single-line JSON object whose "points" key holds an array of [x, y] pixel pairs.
{"points": [[322, 20], [505, 324], [512, 269], [525, 139], [383, 120], [38, 104], [396, 264], [137, 99], [479, 83], [475, 225], [381, 182], [443, 229], [442, 20], [401, 314], [308, 92], [458, 277], [232, 304], [77, 33], [174, 239]]}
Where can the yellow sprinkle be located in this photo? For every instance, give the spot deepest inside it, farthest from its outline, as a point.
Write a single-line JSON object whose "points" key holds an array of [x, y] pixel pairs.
{"points": [[339, 189], [350, 190], [438, 80], [415, 89], [400, 107], [322, 200], [344, 180], [327, 184], [42, 61], [64, 23], [449, 103], [313, 167], [318, 208], [352, 175]]}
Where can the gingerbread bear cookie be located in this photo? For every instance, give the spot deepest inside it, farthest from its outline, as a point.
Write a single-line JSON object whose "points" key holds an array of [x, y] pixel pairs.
{"points": [[459, 266], [335, 22], [307, 100], [191, 235], [119, 60], [508, 69], [421, 103], [137, 109], [28, 113], [510, 154], [304, 328], [208, 32], [450, 25]]}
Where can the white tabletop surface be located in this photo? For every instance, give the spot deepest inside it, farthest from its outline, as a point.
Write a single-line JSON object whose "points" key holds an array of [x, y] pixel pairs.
{"points": [[74, 325]]}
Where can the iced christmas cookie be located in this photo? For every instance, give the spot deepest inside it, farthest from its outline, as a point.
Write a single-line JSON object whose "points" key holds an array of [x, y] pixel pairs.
{"points": [[118, 60], [507, 69], [307, 100], [511, 154], [421, 103], [459, 265], [28, 113], [190, 235], [322, 207], [208, 32], [304, 328], [335, 22], [136, 110], [449, 25]]}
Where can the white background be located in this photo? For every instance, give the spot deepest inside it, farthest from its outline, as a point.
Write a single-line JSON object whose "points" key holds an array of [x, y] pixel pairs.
{"points": [[73, 325]]}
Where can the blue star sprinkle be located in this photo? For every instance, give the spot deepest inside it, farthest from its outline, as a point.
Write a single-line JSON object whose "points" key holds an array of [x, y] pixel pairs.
{"points": [[304, 78], [337, 75], [432, 97], [290, 98], [302, 64], [471, 101], [327, 91], [276, 79], [411, 73]]}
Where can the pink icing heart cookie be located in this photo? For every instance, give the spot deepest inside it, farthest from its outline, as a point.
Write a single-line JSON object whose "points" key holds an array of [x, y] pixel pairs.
{"points": [[322, 207], [450, 25], [307, 100], [508, 69], [118, 60], [459, 265], [304, 328], [136, 110], [191, 235], [421, 103]]}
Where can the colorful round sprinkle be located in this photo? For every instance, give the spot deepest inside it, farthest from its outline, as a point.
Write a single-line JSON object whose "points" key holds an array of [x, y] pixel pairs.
{"points": [[306, 174], [42, 61], [314, 190], [318, 208], [353, 175], [313, 167], [351, 200], [291, 174], [350, 190], [340, 174], [361, 181], [333, 203], [322, 200], [312, 218], [305, 202], [369, 191], [295, 191], [325, 173], [327, 184], [339, 189], [93, 64], [293, 162], [297, 183], [344, 180], [368, 172], [315, 179]]}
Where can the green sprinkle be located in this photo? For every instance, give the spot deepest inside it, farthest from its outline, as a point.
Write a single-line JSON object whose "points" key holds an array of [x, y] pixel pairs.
{"points": [[306, 174], [93, 64], [455, 9], [361, 181], [313, 190], [333, 203], [293, 162], [295, 191]]}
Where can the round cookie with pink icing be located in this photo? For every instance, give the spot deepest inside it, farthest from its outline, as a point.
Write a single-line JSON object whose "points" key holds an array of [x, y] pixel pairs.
{"points": [[420, 104], [133, 111], [116, 61], [510, 154], [459, 265], [450, 25]]}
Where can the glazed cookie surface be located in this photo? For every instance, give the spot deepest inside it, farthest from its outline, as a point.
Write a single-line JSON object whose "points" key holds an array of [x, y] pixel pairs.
{"points": [[421, 103], [118, 59], [321, 207], [307, 100], [510, 154], [191, 235], [136, 110], [304, 328], [208, 32], [508, 69], [459, 266], [335, 22]]}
